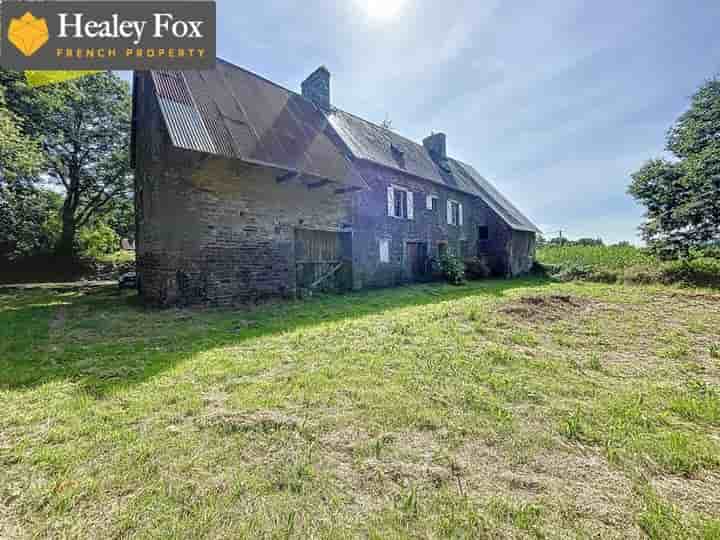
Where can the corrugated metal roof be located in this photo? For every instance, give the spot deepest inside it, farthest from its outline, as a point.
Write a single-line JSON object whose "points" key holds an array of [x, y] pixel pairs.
{"points": [[233, 112]]}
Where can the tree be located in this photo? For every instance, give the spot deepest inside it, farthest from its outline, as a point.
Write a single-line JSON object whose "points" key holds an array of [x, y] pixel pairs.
{"points": [[84, 128], [588, 242], [682, 195], [20, 154], [86, 139], [24, 210]]}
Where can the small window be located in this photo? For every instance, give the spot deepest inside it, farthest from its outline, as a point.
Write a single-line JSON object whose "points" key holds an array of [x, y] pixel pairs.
{"points": [[432, 203], [483, 232], [384, 250], [401, 207], [455, 213]]}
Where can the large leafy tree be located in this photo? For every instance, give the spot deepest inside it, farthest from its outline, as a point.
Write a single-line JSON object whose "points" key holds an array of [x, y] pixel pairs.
{"points": [[86, 140], [83, 127], [20, 155], [682, 195], [24, 210]]}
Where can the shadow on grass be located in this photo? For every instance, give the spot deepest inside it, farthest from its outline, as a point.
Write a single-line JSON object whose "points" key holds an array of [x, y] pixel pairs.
{"points": [[104, 340]]}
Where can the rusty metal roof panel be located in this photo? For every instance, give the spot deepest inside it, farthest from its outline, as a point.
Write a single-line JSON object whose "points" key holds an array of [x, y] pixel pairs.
{"points": [[231, 112], [184, 122]]}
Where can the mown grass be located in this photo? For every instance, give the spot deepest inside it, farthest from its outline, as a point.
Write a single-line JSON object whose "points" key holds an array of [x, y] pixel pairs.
{"points": [[521, 408]]}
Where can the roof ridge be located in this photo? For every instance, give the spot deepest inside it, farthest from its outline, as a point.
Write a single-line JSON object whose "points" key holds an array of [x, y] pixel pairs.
{"points": [[333, 107]]}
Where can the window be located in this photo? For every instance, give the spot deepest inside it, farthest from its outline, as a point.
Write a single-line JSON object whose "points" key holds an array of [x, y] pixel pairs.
{"points": [[432, 202], [454, 213], [384, 250], [483, 232], [442, 249], [400, 202]]}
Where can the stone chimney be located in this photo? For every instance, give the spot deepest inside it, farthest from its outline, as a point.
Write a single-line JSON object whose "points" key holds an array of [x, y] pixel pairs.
{"points": [[435, 145], [316, 87]]}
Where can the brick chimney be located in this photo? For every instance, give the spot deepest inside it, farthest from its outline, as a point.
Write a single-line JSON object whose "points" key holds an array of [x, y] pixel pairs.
{"points": [[435, 145], [316, 87]]}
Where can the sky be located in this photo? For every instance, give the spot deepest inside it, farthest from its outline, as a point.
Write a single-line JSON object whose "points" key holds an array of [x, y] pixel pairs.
{"points": [[555, 102]]}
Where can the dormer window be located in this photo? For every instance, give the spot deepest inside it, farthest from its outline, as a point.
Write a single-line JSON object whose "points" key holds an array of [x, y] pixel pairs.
{"points": [[398, 155], [444, 165]]}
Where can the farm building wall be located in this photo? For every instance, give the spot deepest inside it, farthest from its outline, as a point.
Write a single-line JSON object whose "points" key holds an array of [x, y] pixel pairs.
{"points": [[216, 231], [373, 224]]}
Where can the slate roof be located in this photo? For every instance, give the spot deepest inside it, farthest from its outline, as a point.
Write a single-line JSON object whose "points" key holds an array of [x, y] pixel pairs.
{"points": [[376, 144], [233, 112]]}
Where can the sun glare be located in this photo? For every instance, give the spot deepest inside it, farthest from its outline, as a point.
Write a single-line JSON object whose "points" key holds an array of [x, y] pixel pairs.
{"points": [[382, 9]]}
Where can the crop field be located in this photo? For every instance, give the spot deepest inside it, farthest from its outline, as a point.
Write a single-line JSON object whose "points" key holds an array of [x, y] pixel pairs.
{"points": [[500, 409], [603, 257]]}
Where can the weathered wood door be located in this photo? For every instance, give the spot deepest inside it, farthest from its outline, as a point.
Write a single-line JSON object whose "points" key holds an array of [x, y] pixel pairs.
{"points": [[322, 259], [417, 259]]}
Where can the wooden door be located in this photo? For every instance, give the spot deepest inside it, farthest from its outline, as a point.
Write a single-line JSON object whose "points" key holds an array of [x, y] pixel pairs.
{"points": [[318, 255], [417, 259]]}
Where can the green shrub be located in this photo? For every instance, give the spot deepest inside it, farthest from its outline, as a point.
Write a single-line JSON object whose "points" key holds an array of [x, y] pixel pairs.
{"points": [[642, 274], [453, 269], [703, 271], [98, 241]]}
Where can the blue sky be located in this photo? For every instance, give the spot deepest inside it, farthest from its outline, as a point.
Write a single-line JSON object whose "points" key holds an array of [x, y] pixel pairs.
{"points": [[555, 102]]}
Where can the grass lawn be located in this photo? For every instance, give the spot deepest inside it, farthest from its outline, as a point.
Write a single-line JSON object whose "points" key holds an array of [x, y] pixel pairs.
{"points": [[519, 409]]}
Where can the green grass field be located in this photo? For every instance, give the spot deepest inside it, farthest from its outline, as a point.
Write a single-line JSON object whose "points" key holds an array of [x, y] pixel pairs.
{"points": [[602, 257], [511, 409]]}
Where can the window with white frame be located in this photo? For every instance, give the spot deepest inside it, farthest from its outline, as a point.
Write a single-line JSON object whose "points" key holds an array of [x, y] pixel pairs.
{"points": [[432, 202], [400, 202], [384, 244], [454, 213]]}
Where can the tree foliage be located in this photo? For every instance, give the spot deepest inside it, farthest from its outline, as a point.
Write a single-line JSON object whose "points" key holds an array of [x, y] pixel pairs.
{"points": [[20, 154], [83, 129], [29, 219], [86, 140], [682, 195]]}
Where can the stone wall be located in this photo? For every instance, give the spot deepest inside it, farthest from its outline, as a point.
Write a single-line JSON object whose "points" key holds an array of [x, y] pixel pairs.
{"points": [[371, 222], [215, 231]]}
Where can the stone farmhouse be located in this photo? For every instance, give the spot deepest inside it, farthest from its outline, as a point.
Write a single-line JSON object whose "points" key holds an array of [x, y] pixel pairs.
{"points": [[247, 190]]}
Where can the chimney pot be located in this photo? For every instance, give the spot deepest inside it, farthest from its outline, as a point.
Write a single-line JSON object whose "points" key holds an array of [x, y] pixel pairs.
{"points": [[435, 144], [316, 87]]}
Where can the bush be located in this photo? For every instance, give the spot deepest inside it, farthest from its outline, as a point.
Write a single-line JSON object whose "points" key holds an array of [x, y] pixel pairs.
{"points": [[642, 274], [453, 269], [702, 271], [476, 268], [98, 241]]}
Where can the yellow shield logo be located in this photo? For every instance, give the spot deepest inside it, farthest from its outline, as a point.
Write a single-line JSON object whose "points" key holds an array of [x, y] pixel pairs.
{"points": [[28, 34]]}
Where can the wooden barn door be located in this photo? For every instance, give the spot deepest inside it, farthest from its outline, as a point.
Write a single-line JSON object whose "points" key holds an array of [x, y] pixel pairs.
{"points": [[321, 259]]}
